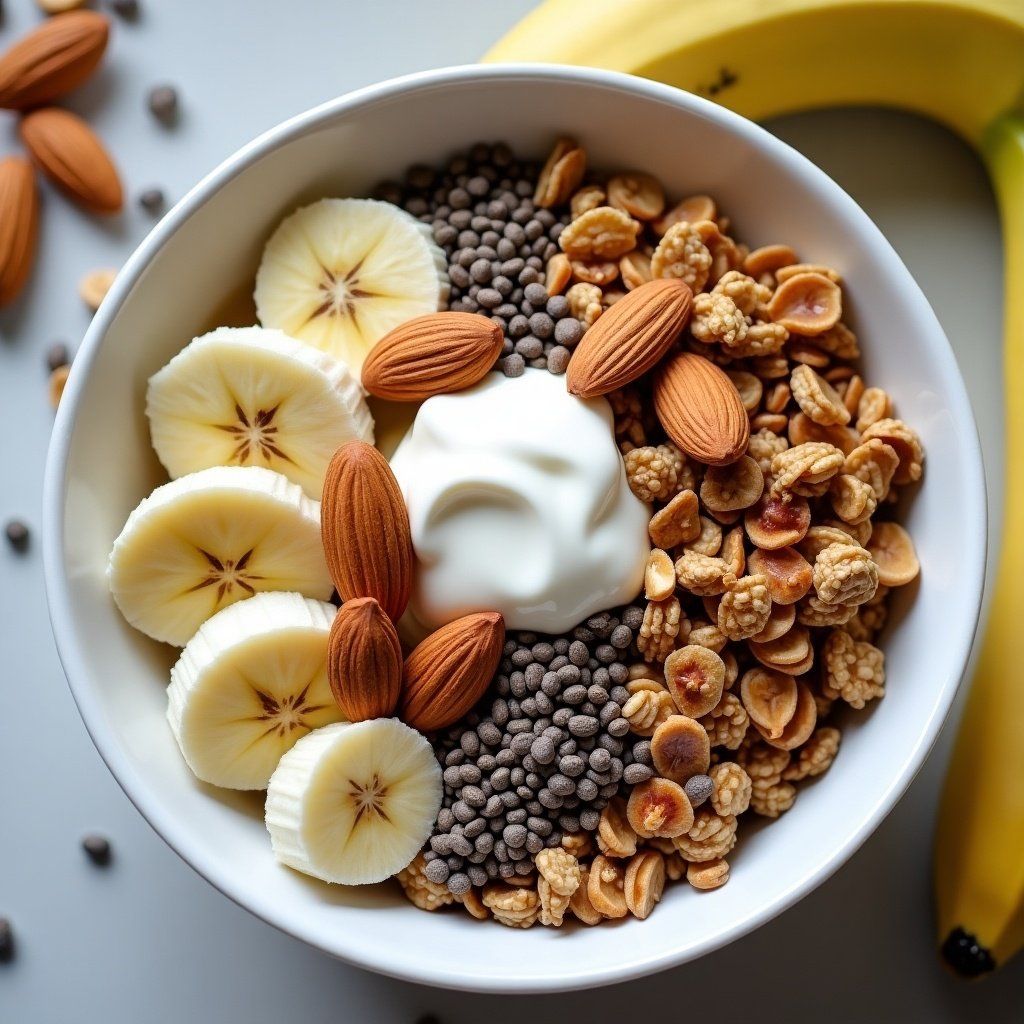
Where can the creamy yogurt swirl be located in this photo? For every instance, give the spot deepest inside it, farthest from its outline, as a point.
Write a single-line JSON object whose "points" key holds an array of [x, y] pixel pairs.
{"points": [[518, 503]]}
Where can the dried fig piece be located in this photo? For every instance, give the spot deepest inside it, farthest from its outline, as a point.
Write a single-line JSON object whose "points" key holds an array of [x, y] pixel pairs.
{"points": [[789, 575], [807, 303], [579, 901], [659, 807], [780, 622], [770, 699], [735, 486], [893, 552], [801, 724], [775, 522], [681, 749], [644, 883], [790, 649], [605, 885], [695, 677], [659, 576]]}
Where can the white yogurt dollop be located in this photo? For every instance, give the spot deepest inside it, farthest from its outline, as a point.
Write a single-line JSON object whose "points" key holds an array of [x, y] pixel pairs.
{"points": [[518, 502]]}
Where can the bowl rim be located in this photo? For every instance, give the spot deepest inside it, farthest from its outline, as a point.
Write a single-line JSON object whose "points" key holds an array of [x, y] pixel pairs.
{"points": [[62, 613]]}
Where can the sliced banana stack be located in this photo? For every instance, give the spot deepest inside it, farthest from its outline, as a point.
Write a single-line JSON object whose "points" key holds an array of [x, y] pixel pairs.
{"points": [[354, 803], [252, 396], [249, 684], [339, 274], [209, 539]]}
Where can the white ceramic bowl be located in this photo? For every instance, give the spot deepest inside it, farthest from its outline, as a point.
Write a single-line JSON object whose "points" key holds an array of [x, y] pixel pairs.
{"points": [[207, 249]]}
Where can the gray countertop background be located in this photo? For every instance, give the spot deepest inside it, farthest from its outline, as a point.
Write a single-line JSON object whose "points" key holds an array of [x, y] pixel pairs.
{"points": [[146, 939]]}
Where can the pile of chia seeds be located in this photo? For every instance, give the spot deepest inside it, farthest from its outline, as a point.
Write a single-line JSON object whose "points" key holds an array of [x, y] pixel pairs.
{"points": [[541, 755], [498, 243]]}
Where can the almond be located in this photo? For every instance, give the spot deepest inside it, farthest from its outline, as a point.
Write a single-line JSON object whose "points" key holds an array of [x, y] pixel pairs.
{"points": [[52, 60], [449, 671], [19, 225], [364, 526], [432, 355], [629, 338], [364, 661], [700, 409], [68, 151]]}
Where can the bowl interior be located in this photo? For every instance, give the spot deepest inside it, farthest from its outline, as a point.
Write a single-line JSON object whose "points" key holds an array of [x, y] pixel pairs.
{"points": [[203, 258]]}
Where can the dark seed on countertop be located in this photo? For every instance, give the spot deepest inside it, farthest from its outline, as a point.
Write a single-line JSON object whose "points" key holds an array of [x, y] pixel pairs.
{"points": [[6, 941], [97, 849], [126, 9], [17, 534], [57, 355], [152, 200], [163, 102]]}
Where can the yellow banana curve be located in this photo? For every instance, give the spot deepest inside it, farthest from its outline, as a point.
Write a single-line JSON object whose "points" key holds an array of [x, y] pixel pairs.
{"points": [[960, 62]]}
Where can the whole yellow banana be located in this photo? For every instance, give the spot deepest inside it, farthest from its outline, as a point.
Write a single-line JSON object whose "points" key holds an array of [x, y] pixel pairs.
{"points": [[960, 62]]}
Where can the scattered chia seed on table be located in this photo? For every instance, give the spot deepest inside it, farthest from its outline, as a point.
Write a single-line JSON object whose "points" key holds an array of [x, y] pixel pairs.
{"points": [[497, 243], [541, 755]]}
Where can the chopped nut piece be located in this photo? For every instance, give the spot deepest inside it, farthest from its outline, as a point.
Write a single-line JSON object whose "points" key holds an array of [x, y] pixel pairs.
{"points": [[853, 500], [639, 194], [735, 486], [787, 574], [682, 254], [635, 269], [615, 836], [588, 197], [599, 272], [763, 344], [764, 445], [605, 884], [770, 699], [749, 387], [559, 869], [579, 844], [803, 429], [709, 541], [745, 607], [874, 405], [706, 634], [817, 398], [647, 709], [854, 670], [717, 320], [815, 756], [558, 274], [659, 629], [807, 303], [726, 724], [893, 553], [515, 907], [731, 794], [472, 900], [553, 183], [768, 260], [819, 537], [419, 889], [806, 469], [906, 443], [58, 381], [777, 521], [579, 903], [654, 474], [94, 286], [808, 268], [771, 801], [659, 576], [710, 837], [750, 297], [710, 875], [659, 807], [845, 574], [852, 393], [678, 522], [603, 233], [733, 553], [585, 302], [813, 612], [691, 209], [644, 883], [680, 749], [800, 726], [695, 677]]}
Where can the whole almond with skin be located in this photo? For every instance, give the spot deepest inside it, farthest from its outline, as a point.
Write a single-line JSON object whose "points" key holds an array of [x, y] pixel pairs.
{"points": [[432, 355], [364, 525], [71, 155], [19, 225], [700, 409], [52, 60], [629, 338], [449, 672], [364, 661]]}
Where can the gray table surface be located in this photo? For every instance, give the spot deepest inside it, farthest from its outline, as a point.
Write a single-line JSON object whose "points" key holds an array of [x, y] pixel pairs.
{"points": [[148, 940]]}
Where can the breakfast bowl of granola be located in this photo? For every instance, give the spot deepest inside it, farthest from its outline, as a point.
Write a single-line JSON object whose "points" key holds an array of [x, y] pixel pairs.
{"points": [[563, 534]]}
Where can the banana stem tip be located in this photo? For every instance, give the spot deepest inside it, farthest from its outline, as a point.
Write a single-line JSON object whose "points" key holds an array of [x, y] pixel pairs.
{"points": [[965, 955]]}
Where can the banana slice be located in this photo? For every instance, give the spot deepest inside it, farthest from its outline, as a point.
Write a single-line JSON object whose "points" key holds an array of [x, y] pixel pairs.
{"points": [[339, 274], [249, 684], [354, 803], [242, 396], [209, 539]]}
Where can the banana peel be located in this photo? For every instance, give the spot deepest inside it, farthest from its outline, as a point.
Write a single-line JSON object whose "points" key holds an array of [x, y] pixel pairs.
{"points": [[959, 62]]}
